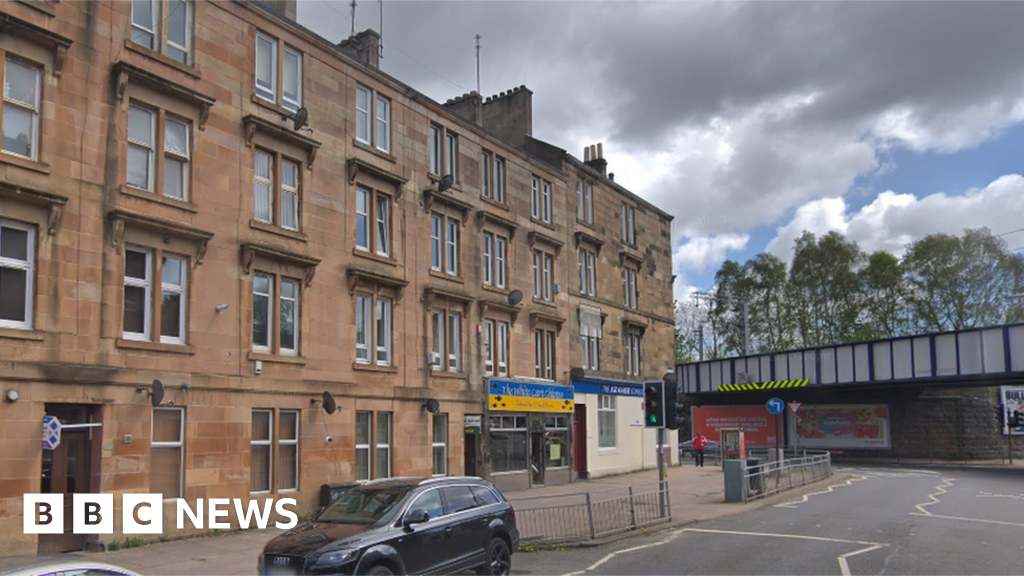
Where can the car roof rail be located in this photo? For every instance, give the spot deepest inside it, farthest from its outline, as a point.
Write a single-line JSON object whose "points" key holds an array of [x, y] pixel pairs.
{"points": [[448, 479]]}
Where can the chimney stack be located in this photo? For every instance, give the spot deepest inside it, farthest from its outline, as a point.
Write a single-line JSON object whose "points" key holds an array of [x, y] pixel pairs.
{"points": [[364, 47], [593, 156]]}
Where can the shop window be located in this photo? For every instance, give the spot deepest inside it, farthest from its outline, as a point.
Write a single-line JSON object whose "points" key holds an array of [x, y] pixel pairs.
{"points": [[508, 443], [606, 419], [556, 442]]}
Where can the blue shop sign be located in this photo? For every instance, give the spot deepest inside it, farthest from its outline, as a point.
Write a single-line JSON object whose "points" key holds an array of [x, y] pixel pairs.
{"points": [[609, 388]]}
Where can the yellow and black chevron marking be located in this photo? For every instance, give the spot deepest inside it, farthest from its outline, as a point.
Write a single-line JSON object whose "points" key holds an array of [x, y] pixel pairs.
{"points": [[763, 385]]}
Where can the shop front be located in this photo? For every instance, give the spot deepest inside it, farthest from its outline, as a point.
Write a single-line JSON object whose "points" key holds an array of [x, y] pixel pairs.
{"points": [[528, 437]]}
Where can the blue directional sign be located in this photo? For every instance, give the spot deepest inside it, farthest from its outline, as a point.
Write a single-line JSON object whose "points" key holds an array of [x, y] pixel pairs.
{"points": [[776, 406], [51, 432]]}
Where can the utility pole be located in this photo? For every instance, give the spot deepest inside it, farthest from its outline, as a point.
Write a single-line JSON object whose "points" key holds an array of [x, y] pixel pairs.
{"points": [[477, 63], [700, 342], [746, 330], [744, 314], [353, 5]]}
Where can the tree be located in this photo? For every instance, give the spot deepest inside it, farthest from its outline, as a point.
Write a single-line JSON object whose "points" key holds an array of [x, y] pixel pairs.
{"points": [[764, 283], [825, 288], [886, 312]]}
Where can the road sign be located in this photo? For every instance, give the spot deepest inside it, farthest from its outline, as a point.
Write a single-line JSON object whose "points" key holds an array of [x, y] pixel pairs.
{"points": [[51, 432], [794, 406], [776, 406]]}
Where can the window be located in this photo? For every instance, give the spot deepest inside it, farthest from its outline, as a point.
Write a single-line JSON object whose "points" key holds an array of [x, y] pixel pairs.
{"points": [[556, 442], [381, 114], [430, 502], [269, 191], [363, 432], [492, 176], [17, 274], [629, 289], [167, 440], [632, 354], [446, 330], [628, 224], [444, 244], [444, 151], [585, 202], [457, 499], [439, 445], [373, 324], [140, 269], [544, 348], [268, 82], [543, 275], [261, 457], [382, 468], [495, 256], [508, 443], [288, 450], [373, 222], [265, 308], [21, 108], [163, 26], [606, 422], [150, 130], [590, 335], [496, 347], [540, 200], [588, 276]]}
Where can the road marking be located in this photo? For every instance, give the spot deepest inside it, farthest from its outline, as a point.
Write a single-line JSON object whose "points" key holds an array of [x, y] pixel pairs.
{"points": [[793, 503], [843, 565], [991, 495], [965, 519], [946, 482]]}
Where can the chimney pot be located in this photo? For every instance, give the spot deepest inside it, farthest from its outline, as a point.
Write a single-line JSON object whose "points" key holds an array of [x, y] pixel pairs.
{"points": [[611, 176], [600, 152]]}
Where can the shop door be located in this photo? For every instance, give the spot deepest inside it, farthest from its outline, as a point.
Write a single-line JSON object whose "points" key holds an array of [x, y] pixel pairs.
{"points": [[537, 457], [579, 441], [471, 452], [66, 471]]}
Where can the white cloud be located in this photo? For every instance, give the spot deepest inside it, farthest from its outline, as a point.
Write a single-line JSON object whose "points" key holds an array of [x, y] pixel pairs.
{"points": [[696, 255], [893, 220]]}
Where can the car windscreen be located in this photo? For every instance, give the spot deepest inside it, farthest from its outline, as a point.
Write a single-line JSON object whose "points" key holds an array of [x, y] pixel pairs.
{"points": [[365, 506]]}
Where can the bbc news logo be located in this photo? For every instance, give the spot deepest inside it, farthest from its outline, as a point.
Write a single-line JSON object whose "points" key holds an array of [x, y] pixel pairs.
{"points": [[144, 513]]}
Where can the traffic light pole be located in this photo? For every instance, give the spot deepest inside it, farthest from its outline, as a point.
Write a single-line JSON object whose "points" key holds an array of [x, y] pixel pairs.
{"points": [[662, 483]]}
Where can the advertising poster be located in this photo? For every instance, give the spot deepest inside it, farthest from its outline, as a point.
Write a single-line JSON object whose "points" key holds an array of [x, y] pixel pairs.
{"points": [[1013, 400], [758, 424], [840, 426]]}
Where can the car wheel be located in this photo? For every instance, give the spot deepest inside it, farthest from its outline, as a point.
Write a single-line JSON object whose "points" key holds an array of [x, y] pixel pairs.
{"points": [[499, 559], [379, 570]]}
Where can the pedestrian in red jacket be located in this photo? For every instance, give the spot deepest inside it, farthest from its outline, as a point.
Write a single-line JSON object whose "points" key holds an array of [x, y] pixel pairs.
{"points": [[699, 444]]}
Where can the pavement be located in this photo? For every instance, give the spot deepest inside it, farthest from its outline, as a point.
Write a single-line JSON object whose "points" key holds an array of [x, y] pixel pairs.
{"points": [[695, 494]]}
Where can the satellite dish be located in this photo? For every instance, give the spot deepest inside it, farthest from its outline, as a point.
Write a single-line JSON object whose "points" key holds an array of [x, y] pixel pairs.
{"points": [[432, 406], [577, 375], [299, 119], [330, 406], [446, 182], [157, 395], [515, 297]]}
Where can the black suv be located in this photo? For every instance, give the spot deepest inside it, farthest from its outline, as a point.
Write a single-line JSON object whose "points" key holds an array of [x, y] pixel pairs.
{"points": [[402, 526]]}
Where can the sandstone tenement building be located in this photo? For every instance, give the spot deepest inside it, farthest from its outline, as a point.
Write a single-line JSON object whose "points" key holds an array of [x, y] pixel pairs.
{"points": [[209, 199]]}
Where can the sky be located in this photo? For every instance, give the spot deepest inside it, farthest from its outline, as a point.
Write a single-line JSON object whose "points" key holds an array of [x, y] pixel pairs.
{"points": [[749, 122]]}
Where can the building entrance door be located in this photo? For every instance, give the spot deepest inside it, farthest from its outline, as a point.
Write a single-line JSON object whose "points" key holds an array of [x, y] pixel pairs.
{"points": [[67, 470], [471, 451], [579, 441]]}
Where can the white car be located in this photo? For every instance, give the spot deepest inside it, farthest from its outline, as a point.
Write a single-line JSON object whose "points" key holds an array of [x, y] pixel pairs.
{"points": [[59, 566]]}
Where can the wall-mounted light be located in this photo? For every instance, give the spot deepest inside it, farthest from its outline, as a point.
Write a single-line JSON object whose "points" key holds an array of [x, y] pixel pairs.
{"points": [[12, 395], [221, 307]]}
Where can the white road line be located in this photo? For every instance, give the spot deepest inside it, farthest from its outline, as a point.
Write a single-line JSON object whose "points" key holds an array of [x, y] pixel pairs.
{"points": [[941, 489], [843, 566], [965, 519], [793, 503], [991, 495]]}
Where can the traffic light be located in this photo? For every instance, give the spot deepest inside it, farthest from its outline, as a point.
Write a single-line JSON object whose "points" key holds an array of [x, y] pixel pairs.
{"points": [[999, 415], [1017, 420], [654, 404], [672, 407]]}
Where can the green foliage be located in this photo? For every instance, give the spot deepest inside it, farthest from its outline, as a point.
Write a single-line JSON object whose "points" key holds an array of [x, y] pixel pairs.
{"points": [[833, 292]]}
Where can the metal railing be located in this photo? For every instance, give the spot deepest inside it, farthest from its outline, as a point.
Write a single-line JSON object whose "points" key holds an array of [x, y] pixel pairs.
{"points": [[590, 515], [796, 468]]}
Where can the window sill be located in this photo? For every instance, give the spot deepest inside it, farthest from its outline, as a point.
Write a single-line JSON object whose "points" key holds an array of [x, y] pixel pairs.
{"points": [[271, 229], [448, 375], [496, 290], [585, 224], [374, 257], [22, 334], [155, 346], [375, 151], [40, 5], [540, 222], [547, 303], [272, 106], [159, 199], [446, 276], [494, 203], [276, 358], [166, 61], [375, 368], [8, 158]]}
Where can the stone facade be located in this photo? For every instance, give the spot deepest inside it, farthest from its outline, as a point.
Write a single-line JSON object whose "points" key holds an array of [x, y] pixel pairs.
{"points": [[75, 350]]}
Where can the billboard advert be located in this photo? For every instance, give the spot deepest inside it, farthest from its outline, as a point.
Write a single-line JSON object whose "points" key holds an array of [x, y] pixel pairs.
{"points": [[841, 426], [757, 423], [1012, 398]]}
